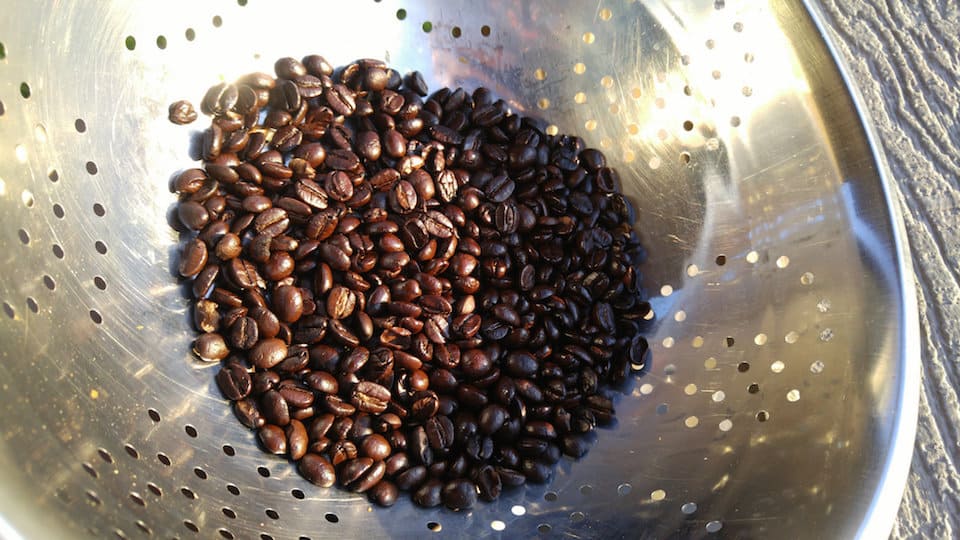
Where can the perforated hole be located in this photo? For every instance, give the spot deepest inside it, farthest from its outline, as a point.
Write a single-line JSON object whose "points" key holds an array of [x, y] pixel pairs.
{"points": [[93, 497], [263, 471], [753, 257], [550, 496], [333, 518], [427, 27], [229, 512], [49, 283], [777, 366], [162, 458], [577, 517], [130, 43], [485, 31], [793, 395], [544, 528], [743, 367], [225, 533], [131, 451], [190, 431], [190, 34], [153, 414], [100, 247], [763, 416], [401, 14], [8, 310], [234, 490], [191, 526], [105, 455], [155, 489], [96, 317], [753, 388], [272, 514], [53, 175], [91, 167], [817, 367], [791, 337], [188, 493], [498, 525], [217, 21], [161, 42], [25, 90], [143, 527], [714, 526], [228, 450], [90, 470], [518, 510], [26, 197], [137, 499], [201, 474], [24, 237], [297, 494], [589, 37]]}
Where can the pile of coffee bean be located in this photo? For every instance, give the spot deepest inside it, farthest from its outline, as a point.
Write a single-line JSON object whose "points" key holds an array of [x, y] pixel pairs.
{"points": [[407, 293]]}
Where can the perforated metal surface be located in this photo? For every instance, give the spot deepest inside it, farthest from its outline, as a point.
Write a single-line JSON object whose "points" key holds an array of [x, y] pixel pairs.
{"points": [[782, 396]]}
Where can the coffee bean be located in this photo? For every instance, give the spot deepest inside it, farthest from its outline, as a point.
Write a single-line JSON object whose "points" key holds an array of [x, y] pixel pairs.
{"points": [[428, 495], [376, 447], [193, 258], [370, 397], [182, 112], [247, 411], [272, 439], [341, 302], [234, 381], [210, 347], [288, 303], [268, 353], [317, 470], [384, 493], [459, 494], [439, 430], [274, 408]]}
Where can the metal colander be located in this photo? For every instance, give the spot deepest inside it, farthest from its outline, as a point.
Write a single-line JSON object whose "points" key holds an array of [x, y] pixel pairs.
{"points": [[781, 399]]}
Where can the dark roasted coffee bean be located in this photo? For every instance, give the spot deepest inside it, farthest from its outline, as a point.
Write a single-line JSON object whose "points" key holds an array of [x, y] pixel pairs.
{"points": [[210, 347], [274, 408], [317, 470], [181, 112], [247, 411], [459, 494], [206, 316], [412, 478], [428, 495], [341, 302], [370, 397], [272, 439], [268, 353], [288, 303], [384, 493], [439, 430], [193, 258], [234, 381]]}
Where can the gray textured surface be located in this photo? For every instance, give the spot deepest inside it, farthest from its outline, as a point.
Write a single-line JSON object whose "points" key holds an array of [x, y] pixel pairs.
{"points": [[905, 58]]}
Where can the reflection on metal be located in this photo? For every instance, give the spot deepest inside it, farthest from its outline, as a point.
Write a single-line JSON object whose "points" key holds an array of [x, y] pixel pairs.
{"points": [[759, 196]]}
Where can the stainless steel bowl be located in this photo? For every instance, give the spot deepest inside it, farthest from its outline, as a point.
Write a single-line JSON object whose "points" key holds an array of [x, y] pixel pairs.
{"points": [[781, 401]]}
